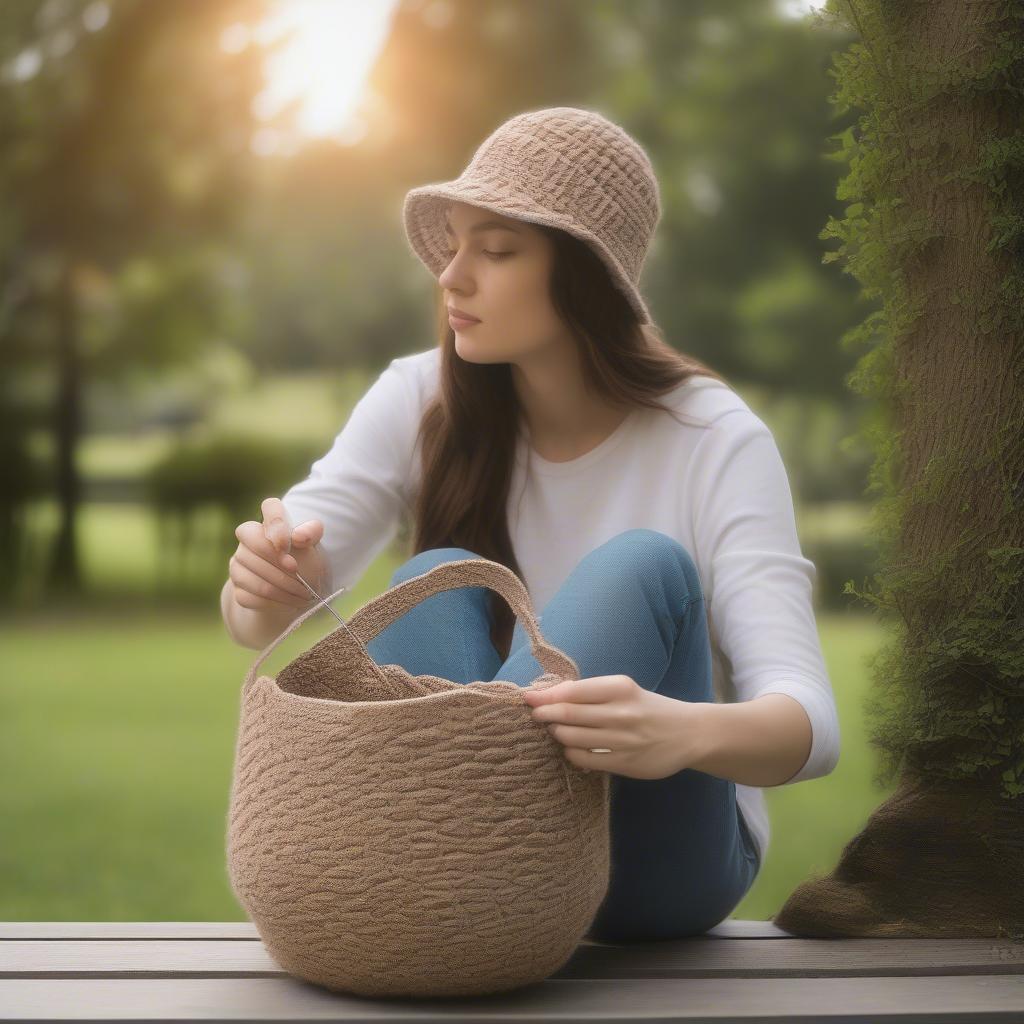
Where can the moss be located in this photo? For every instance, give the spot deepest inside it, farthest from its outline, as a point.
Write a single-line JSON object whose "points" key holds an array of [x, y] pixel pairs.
{"points": [[948, 698]]}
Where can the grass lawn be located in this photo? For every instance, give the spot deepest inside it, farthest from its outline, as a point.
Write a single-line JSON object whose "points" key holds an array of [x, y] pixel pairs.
{"points": [[119, 718], [119, 738]]}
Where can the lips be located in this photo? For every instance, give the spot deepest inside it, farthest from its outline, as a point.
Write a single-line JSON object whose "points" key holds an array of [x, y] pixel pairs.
{"points": [[461, 315]]}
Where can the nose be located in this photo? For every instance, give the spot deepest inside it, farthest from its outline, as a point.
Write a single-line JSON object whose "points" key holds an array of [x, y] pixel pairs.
{"points": [[453, 275]]}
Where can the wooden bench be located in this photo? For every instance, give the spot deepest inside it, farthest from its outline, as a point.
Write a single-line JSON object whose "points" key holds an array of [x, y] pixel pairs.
{"points": [[739, 971]]}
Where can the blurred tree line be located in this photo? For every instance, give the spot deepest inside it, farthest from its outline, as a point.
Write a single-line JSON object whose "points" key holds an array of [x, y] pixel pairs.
{"points": [[143, 234]]}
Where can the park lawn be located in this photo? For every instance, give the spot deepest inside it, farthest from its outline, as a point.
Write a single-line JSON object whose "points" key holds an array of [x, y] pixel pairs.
{"points": [[119, 737]]}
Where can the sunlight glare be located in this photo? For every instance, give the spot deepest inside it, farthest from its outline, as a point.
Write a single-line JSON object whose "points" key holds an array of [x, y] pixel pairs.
{"points": [[330, 48], [799, 8]]}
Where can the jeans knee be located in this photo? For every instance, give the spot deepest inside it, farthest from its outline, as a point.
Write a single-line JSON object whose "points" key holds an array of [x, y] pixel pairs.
{"points": [[648, 551], [426, 560]]}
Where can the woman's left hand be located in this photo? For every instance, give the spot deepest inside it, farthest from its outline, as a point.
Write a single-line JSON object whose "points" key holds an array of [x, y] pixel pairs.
{"points": [[650, 736]]}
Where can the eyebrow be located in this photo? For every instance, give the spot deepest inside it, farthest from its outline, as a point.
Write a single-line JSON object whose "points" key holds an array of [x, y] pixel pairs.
{"points": [[482, 226]]}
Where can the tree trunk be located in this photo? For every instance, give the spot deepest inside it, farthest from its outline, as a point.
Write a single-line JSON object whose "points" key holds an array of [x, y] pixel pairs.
{"points": [[938, 171], [63, 574]]}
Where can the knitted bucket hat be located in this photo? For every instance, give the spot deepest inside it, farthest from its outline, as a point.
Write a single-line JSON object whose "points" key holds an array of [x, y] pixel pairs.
{"points": [[561, 166]]}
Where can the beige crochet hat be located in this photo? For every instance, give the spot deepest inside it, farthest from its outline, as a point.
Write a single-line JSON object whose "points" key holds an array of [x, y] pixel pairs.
{"points": [[562, 166]]}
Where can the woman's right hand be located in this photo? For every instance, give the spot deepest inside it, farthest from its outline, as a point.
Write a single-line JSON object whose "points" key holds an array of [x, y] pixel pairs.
{"points": [[270, 553]]}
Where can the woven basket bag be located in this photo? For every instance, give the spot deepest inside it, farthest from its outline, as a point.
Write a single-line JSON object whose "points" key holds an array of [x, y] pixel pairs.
{"points": [[400, 835]]}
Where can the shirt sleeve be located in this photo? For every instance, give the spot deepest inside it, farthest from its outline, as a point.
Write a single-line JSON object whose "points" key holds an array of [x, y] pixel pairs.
{"points": [[757, 584], [359, 488]]}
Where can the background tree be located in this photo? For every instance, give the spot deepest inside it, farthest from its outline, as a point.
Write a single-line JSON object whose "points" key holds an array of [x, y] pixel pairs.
{"points": [[936, 229], [233, 299], [127, 134], [728, 97]]}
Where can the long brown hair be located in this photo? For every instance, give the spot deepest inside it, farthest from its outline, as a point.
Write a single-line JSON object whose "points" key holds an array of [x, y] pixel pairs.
{"points": [[469, 429]]}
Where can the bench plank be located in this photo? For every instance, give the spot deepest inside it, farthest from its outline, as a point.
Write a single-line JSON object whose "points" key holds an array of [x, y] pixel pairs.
{"points": [[729, 929], [963, 1000], [128, 930], [682, 958], [220, 970]]}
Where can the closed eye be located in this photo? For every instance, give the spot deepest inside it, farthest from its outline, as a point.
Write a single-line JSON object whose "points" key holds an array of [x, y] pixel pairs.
{"points": [[491, 255]]}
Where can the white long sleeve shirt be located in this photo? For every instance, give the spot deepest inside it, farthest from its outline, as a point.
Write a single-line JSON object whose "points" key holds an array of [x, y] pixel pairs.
{"points": [[720, 489]]}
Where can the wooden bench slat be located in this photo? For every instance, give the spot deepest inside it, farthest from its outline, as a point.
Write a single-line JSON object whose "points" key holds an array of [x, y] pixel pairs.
{"points": [[683, 958], [800, 958], [964, 1000], [735, 928], [730, 929], [127, 930]]}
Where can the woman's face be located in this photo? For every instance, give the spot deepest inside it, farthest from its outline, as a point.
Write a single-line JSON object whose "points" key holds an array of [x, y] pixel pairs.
{"points": [[499, 273]]}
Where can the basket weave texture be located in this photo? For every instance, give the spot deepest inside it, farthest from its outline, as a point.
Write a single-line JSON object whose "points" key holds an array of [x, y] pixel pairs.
{"points": [[400, 835]]}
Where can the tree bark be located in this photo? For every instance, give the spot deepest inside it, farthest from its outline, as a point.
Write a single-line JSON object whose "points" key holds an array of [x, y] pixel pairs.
{"points": [[63, 573], [944, 855]]}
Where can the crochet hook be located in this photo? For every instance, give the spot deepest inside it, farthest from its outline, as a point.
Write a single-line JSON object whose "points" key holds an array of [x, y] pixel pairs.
{"points": [[322, 601], [336, 615]]}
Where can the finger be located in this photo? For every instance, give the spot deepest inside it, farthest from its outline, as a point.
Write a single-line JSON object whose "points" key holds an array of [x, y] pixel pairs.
{"points": [[254, 536], [592, 715], [586, 761], [249, 600], [276, 523], [245, 579], [249, 583], [308, 534], [593, 690], [584, 739], [270, 572]]}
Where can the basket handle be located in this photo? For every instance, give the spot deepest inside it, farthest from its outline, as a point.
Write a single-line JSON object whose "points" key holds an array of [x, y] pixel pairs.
{"points": [[378, 614], [294, 625]]}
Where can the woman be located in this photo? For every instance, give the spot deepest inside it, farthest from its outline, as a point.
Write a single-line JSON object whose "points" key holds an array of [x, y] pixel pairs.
{"points": [[553, 430]]}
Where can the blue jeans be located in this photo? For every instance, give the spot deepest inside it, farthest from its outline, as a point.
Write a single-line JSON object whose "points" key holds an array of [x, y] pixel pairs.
{"points": [[681, 855]]}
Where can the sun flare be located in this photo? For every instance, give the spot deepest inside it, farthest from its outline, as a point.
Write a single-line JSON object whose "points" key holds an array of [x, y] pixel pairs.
{"points": [[328, 50]]}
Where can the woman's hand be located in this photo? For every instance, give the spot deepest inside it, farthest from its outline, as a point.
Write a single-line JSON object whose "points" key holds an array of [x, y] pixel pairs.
{"points": [[268, 555], [650, 736]]}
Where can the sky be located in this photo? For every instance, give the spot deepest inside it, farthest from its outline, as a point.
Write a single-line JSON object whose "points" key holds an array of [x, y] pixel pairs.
{"points": [[334, 44], [798, 8]]}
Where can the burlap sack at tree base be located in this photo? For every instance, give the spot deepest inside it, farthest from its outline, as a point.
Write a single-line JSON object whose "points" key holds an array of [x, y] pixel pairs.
{"points": [[399, 835]]}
